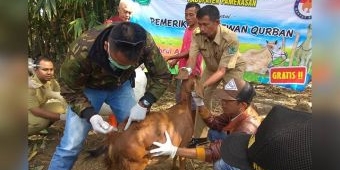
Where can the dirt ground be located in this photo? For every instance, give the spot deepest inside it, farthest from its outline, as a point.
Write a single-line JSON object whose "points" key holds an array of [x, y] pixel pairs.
{"points": [[41, 147]]}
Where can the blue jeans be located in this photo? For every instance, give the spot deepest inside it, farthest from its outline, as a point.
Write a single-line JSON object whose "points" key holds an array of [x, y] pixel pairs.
{"points": [[221, 165], [121, 100], [216, 135]]}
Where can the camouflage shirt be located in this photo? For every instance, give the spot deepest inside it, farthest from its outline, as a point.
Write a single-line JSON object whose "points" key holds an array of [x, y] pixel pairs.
{"points": [[87, 66]]}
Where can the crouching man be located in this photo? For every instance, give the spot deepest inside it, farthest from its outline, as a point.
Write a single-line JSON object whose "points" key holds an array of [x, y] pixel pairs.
{"points": [[45, 104], [238, 116]]}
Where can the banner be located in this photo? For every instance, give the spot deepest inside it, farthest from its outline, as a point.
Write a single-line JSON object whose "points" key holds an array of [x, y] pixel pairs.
{"points": [[271, 33]]}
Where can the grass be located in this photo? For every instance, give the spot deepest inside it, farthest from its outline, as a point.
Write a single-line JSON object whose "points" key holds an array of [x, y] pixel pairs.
{"points": [[168, 41]]}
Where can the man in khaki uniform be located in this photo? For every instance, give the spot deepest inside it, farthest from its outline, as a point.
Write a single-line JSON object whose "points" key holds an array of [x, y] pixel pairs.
{"points": [[45, 104], [220, 49]]}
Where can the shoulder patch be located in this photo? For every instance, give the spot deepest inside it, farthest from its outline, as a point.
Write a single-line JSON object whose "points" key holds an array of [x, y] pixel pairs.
{"points": [[197, 30], [232, 50]]}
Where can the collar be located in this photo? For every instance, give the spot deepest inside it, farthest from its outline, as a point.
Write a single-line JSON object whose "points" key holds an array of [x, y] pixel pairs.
{"points": [[97, 53], [192, 28], [235, 121], [34, 82], [217, 38]]}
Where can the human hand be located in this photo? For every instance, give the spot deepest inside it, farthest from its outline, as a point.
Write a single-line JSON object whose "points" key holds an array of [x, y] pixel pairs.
{"points": [[172, 63], [198, 100], [101, 126], [137, 113], [62, 116], [184, 73], [188, 69], [166, 58], [164, 149]]}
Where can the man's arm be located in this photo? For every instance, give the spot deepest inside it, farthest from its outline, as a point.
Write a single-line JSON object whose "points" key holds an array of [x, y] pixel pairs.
{"points": [[217, 76], [208, 154], [193, 52], [200, 153], [36, 110], [73, 75], [39, 112], [157, 69], [174, 59], [184, 54], [228, 61], [213, 122]]}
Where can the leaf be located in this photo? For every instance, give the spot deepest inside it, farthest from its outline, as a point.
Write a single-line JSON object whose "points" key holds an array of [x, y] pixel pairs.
{"points": [[32, 155], [39, 6], [93, 20], [54, 7], [77, 26], [41, 167], [47, 10]]}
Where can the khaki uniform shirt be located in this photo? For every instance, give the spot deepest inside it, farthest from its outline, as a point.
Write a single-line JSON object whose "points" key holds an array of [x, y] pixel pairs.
{"points": [[221, 52], [46, 96], [39, 93]]}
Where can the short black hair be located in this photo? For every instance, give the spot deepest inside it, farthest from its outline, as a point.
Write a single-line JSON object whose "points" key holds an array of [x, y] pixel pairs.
{"points": [[128, 38], [39, 58], [192, 4], [210, 10]]}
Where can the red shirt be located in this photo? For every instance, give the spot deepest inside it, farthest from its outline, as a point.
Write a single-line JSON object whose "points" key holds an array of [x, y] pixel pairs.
{"points": [[113, 19], [185, 47]]}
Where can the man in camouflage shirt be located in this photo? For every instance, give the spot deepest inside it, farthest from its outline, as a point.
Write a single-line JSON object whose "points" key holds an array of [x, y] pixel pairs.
{"points": [[99, 68]]}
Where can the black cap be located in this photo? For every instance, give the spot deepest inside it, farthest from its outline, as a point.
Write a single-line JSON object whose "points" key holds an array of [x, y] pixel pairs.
{"points": [[236, 89]]}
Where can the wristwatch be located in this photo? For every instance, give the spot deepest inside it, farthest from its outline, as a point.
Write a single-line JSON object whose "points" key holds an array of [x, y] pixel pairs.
{"points": [[145, 103]]}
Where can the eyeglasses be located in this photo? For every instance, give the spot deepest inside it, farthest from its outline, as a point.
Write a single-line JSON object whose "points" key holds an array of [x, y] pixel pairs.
{"points": [[122, 42]]}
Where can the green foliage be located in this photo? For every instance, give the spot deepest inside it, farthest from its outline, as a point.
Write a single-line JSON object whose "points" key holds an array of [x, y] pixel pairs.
{"points": [[77, 26], [171, 41], [53, 24], [247, 46]]}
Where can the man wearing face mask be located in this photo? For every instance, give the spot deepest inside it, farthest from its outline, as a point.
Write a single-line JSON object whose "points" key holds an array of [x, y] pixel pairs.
{"points": [[99, 68]]}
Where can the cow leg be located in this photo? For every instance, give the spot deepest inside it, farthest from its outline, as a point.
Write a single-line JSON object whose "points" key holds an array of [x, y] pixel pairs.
{"points": [[182, 163]]}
